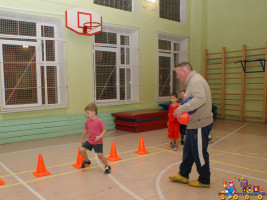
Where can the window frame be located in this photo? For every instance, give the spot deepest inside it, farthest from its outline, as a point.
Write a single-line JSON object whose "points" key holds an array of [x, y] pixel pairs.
{"points": [[133, 65], [171, 80], [134, 6], [50, 63], [58, 85], [59, 62], [182, 12], [117, 85], [184, 46], [38, 81]]}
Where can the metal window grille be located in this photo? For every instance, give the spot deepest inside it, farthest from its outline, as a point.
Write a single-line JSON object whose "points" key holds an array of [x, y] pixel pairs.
{"points": [[125, 86], [170, 9], [113, 67], [19, 74], [106, 75], [13, 27], [119, 4], [125, 50], [106, 38], [164, 44], [29, 66], [169, 57], [164, 76], [51, 88]]}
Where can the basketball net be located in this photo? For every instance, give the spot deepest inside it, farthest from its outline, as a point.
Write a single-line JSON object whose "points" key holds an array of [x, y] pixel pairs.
{"points": [[90, 26]]}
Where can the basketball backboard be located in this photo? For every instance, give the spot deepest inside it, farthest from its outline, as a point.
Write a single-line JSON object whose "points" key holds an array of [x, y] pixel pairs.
{"points": [[83, 21]]}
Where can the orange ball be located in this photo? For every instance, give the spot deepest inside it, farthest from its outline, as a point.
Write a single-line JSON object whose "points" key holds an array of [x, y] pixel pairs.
{"points": [[183, 118]]}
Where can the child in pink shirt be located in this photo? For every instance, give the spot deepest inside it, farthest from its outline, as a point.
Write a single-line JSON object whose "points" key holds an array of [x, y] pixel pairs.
{"points": [[96, 130]]}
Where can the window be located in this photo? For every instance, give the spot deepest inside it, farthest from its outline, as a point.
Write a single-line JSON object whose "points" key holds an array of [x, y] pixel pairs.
{"points": [[172, 10], [119, 4], [32, 67], [116, 66], [171, 51]]}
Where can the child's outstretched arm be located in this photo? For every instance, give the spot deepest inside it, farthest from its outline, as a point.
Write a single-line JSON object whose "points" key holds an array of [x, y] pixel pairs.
{"points": [[101, 135], [83, 135]]}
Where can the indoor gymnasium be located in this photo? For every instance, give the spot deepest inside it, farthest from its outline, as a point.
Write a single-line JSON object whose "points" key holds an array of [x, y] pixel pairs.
{"points": [[133, 99]]}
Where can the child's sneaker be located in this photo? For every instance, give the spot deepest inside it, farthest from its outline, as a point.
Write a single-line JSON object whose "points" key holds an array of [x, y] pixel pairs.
{"points": [[171, 146], [107, 169], [175, 147], [85, 163]]}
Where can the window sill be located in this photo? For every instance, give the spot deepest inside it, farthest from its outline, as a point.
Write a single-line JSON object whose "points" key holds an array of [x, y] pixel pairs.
{"points": [[116, 103], [163, 99], [25, 109]]}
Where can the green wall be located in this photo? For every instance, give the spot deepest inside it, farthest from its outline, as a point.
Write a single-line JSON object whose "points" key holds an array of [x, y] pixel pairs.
{"points": [[210, 24], [198, 34], [80, 66], [232, 23]]}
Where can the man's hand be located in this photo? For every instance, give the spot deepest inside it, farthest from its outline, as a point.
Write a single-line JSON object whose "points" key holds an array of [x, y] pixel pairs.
{"points": [[82, 141], [177, 113]]}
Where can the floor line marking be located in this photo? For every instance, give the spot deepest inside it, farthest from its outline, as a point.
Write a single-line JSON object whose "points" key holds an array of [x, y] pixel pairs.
{"points": [[52, 146], [117, 182], [107, 133], [52, 176], [228, 135], [154, 146], [159, 192], [162, 196], [23, 182], [65, 173], [24, 172], [239, 154], [250, 169], [49, 167], [243, 175], [105, 138]]}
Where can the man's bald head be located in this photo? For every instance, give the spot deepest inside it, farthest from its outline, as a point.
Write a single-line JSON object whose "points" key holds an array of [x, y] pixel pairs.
{"points": [[183, 70], [185, 65]]}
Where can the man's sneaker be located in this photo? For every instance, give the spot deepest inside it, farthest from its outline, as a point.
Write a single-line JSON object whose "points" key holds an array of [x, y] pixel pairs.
{"points": [[171, 146], [107, 169], [179, 178], [175, 147], [210, 139], [85, 163], [198, 184]]}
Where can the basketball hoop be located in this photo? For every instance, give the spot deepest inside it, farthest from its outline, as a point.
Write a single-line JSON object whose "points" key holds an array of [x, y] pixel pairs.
{"points": [[90, 26], [83, 21]]}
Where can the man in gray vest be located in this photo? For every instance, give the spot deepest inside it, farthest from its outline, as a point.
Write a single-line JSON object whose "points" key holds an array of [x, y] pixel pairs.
{"points": [[198, 127]]}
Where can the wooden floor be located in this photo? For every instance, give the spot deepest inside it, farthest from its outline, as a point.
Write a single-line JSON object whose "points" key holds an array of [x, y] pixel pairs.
{"points": [[239, 149]]}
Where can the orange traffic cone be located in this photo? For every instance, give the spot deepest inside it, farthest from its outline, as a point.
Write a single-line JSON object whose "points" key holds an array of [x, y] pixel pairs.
{"points": [[2, 182], [79, 160], [113, 153], [141, 149], [41, 170]]}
